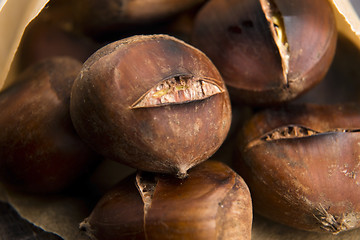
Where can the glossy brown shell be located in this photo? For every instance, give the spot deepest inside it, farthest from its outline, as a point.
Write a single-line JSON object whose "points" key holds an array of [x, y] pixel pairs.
{"points": [[302, 168], [40, 150], [237, 37], [212, 203], [109, 16], [168, 138]]}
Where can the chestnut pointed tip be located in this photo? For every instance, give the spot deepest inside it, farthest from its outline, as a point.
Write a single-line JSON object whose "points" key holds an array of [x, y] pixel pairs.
{"points": [[335, 224], [182, 174], [182, 171], [85, 227]]}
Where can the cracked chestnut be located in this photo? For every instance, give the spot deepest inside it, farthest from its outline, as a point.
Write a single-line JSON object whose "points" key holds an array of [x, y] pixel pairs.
{"points": [[213, 202], [302, 165], [152, 102], [268, 51], [40, 150]]}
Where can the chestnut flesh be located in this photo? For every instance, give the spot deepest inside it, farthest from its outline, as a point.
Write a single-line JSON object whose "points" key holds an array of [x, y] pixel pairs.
{"points": [[268, 51], [40, 150], [152, 102], [213, 202], [301, 164]]}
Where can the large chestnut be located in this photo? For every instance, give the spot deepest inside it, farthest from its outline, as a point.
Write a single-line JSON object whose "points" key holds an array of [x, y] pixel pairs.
{"points": [[152, 102], [268, 51], [302, 163], [213, 202], [39, 148]]}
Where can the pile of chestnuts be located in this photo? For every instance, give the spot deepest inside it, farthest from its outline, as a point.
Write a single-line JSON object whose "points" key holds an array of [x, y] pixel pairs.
{"points": [[153, 85]]}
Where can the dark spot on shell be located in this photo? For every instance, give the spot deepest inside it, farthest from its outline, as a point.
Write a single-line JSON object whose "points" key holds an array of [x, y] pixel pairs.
{"points": [[235, 29]]}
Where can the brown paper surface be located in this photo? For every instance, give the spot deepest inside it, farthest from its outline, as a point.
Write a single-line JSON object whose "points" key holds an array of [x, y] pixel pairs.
{"points": [[349, 10], [58, 214], [14, 17]]}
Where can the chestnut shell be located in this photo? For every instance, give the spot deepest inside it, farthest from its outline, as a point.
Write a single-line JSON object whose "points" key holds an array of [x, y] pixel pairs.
{"points": [[238, 36], [301, 164], [97, 17], [213, 202], [169, 136], [40, 150], [44, 39]]}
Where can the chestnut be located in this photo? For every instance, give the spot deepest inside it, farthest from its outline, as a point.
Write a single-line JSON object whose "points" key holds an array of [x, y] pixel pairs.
{"points": [[39, 148], [301, 164], [106, 16], [341, 83], [213, 202], [45, 39], [152, 102], [268, 51]]}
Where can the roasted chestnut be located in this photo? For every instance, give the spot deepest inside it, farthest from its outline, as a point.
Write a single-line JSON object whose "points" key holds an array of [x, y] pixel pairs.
{"points": [[39, 148], [152, 102], [106, 16], [213, 202], [45, 39], [301, 164], [268, 51], [341, 83]]}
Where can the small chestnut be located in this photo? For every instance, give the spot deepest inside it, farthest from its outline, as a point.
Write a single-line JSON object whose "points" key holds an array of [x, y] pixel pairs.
{"points": [[45, 39], [302, 163], [39, 148], [213, 202], [152, 102], [268, 51]]}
